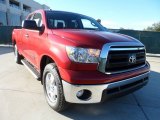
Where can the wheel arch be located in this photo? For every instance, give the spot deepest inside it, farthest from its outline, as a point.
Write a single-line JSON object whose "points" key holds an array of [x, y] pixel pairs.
{"points": [[13, 41], [45, 59]]}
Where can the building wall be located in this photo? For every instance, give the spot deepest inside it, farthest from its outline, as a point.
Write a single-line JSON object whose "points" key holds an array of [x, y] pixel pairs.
{"points": [[13, 14]]}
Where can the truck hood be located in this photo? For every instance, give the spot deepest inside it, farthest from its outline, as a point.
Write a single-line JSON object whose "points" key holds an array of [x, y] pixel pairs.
{"points": [[89, 38]]}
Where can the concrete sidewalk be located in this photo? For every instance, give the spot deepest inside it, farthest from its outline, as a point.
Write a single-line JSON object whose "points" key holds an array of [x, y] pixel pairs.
{"points": [[22, 98], [153, 55]]}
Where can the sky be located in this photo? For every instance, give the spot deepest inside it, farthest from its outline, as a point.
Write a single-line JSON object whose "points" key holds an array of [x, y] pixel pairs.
{"points": [[127, 14]]}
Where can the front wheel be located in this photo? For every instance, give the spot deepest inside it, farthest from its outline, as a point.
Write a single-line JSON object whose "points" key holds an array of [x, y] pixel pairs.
{"points": [[53, 89]]}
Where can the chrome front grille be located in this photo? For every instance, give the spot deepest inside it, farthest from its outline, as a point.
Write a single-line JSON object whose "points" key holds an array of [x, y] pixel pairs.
{"points": [[122, 59], [118, 57]]}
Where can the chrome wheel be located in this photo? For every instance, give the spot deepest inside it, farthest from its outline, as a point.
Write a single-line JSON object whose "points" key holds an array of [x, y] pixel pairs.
{"points": [[51, 88]]}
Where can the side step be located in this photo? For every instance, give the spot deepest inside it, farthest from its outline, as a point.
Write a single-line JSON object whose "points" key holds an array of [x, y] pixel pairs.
{"points": [[31, 69]]}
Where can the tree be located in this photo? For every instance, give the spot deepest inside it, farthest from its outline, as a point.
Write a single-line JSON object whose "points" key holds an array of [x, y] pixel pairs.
{"points": [[154, 27]]}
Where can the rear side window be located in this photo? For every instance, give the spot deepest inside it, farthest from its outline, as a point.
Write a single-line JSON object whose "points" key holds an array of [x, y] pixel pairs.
{"points": [[30, 17]]}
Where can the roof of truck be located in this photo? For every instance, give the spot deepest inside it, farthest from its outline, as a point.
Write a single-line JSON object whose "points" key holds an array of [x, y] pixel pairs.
{"points": [[65, 12]]}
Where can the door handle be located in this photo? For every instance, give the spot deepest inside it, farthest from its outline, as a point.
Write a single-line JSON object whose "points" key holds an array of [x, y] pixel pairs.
{"points": [[26, 35]]}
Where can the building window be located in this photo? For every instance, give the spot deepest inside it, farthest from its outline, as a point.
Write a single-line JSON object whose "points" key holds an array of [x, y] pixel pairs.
{"points": [[14, 4], [2, 1], [3, 18], [14, 19], [26, 8]]}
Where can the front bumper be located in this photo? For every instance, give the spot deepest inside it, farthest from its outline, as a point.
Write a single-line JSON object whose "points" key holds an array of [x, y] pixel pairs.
{"points": [[104, 90]]}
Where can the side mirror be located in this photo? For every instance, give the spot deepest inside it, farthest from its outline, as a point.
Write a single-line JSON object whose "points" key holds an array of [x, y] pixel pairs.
{"points": [[30, 24], [41, 29]]}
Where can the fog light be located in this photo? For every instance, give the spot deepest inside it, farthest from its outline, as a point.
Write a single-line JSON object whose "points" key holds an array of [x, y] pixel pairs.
{"points": [[84, 94], [80, 93]]}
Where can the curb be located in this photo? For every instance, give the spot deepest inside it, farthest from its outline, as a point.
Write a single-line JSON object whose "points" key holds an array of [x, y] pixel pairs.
{"points": [[152, 55]]}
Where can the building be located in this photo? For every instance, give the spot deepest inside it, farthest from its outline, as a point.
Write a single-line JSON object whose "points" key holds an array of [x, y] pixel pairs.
{"points": [[13, 12]]}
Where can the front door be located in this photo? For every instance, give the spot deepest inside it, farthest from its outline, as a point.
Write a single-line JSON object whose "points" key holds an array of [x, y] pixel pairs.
{"points": [[34, 41]]}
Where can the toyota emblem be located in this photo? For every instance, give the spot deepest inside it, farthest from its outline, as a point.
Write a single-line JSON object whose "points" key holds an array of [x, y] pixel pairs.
{"points": [[132, 59]]}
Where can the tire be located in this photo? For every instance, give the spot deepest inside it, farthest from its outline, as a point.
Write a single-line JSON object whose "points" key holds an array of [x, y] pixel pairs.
{"points": [[18, 57], [53, 89]]}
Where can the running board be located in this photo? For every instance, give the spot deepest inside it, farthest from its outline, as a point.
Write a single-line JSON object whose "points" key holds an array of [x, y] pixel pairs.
{"points": [[31, 69]]}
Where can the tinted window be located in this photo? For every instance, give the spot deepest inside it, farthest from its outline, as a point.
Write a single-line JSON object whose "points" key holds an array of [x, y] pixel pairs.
{"points": [[64, 20]]}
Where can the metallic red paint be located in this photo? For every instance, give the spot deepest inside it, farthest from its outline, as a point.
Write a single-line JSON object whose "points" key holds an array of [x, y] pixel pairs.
{"points": [[52, 43]]}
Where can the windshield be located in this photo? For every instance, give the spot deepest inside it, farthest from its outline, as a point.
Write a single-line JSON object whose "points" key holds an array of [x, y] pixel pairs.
{"points": [[65, 20]]}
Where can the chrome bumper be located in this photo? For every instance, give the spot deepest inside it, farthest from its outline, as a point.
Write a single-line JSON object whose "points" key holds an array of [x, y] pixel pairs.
{"points": [[97, 91]]}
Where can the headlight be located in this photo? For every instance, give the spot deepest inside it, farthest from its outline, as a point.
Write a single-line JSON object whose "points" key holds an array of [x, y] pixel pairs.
{"points": [[83, 55]]}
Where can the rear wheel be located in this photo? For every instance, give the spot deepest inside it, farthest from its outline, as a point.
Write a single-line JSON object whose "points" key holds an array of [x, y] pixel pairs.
{"points": [[18, 57], [53, 89]]}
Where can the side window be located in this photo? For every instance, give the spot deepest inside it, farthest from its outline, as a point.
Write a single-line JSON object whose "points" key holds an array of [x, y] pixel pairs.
{"points": [[87, 24], [38, 18], [30, 17]]}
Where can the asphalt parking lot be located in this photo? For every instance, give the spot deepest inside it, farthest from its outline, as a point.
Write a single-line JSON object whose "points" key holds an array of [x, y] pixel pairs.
{"points": [[21, 97]]}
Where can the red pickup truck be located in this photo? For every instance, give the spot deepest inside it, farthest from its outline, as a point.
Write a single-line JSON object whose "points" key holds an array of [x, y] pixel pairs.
{"points": [[77, 60]]}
